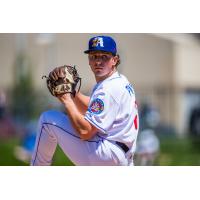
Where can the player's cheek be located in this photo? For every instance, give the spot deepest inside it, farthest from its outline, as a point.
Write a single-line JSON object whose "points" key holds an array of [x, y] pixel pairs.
{"points": [[91, 62], [91, 65]]}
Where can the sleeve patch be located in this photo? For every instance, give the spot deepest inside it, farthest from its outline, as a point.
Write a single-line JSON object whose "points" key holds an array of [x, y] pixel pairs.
{"points": [[96, 107]]}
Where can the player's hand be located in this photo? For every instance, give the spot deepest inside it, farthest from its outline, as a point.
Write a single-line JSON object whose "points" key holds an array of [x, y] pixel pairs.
{"points": [[65, 98], [56, 73]]}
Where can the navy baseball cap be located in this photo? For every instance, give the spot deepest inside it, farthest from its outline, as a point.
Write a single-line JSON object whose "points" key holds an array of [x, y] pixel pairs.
{"points": [[102, 43]]}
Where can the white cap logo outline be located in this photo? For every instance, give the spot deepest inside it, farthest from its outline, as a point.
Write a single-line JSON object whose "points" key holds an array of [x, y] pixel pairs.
{"points": [[98, 41]]}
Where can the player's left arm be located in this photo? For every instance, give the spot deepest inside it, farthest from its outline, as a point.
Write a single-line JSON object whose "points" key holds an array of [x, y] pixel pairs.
{"points": [[82, 126]]}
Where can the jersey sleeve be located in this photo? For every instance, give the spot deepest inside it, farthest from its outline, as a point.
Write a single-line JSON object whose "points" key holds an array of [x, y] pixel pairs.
{"points": [[102, 111]]}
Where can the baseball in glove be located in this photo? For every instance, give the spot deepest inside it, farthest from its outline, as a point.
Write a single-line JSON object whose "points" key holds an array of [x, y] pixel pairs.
{"points": [[67, 83]]}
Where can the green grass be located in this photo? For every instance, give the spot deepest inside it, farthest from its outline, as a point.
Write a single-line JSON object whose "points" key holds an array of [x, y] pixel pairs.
{"points": [[7, 157], [179, 152], [60, 158], [173, 152]]}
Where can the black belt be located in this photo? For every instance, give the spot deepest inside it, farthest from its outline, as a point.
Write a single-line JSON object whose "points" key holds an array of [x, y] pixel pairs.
{"points": [[123, 146]]}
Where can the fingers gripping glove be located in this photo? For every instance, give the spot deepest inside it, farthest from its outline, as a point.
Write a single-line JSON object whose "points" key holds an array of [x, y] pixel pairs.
{"points": [[67, 83]]}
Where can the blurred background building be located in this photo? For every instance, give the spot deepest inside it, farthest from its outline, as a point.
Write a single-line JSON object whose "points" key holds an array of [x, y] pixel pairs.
{"points": [[163, 68]]}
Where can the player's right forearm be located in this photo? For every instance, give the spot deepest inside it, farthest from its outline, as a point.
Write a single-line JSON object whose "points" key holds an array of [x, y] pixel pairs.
{"points": [[82, 102]]}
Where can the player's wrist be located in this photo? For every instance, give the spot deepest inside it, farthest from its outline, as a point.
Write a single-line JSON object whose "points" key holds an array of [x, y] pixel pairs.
{"points": [[68, 102], [65, 98]]}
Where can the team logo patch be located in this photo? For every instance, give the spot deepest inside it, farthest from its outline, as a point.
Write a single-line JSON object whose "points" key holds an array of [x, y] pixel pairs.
{"points": [[96, 106]]}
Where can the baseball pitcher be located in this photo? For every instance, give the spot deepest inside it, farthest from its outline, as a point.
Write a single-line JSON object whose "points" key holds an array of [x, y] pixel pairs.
{"points": [[97, 130]]}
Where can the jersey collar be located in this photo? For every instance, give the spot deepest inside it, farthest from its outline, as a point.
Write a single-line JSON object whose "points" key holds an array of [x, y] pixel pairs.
{"points": [[113, 76]]}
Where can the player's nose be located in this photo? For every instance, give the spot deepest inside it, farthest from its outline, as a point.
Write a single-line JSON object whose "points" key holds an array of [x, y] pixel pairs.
{"points": [[99, 63]]}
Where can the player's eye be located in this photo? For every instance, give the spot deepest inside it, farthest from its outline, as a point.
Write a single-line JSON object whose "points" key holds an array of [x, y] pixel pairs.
{"points": [[104, 57], [92, 57], [101, 57]]}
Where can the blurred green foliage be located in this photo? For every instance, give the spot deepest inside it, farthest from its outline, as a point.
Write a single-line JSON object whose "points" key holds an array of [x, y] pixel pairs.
{"points": [[24, 98]]}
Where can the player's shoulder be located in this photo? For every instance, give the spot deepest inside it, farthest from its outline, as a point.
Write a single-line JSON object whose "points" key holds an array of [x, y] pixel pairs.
{"points": [[118, 85], [118, 82], [116, 78]]}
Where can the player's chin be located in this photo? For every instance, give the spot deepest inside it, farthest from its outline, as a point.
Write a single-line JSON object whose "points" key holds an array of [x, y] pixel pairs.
{"points": [[99, 74], [99, 71]]}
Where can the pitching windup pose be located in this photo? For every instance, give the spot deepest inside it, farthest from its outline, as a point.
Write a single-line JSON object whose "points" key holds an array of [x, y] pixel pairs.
{"points": [[97, 130]]}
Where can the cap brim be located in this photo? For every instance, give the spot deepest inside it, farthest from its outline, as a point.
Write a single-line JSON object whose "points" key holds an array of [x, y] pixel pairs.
{"points": [[88, 51]]}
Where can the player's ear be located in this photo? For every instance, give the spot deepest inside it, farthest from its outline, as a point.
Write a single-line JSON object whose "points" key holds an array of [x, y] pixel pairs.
{"points": [[115, 60]]}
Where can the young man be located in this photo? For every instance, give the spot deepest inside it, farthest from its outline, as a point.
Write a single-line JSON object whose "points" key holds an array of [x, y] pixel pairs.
{"points": [[97, 130]]}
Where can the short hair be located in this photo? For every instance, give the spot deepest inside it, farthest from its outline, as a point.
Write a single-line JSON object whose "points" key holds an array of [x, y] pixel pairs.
{"points": [[118, 61]]}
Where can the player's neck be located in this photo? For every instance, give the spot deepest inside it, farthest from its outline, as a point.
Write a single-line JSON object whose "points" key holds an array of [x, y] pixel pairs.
{"points": [[101, 78]]}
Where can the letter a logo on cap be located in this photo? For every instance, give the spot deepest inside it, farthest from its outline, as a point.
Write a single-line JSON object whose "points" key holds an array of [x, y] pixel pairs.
{"points": [[98, 41]]}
